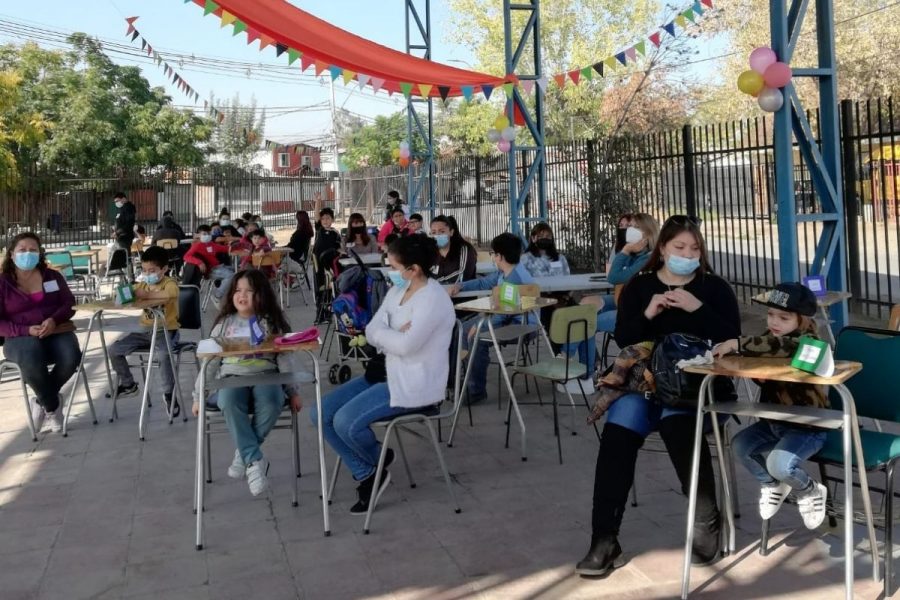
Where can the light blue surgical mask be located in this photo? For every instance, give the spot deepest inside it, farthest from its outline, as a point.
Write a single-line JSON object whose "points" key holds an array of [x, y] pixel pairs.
{"points": [[442, 239], [397, 280], [680, 265], [152, 278], [26, 260], [205, 238], [224, 222]]}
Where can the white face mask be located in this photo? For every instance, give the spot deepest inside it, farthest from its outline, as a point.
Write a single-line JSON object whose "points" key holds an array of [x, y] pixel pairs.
{"points": [[633, 234]]}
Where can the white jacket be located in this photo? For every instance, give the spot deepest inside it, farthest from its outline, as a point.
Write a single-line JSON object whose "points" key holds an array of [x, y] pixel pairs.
{"points": [[418, 359]]}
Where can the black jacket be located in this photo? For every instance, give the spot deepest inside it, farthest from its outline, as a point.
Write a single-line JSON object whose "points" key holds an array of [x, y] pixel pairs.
{"points": [[125, 224], [168, 229]]}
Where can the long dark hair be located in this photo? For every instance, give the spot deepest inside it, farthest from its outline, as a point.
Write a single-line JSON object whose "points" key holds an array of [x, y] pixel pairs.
{"points": [[9, 267], [303, 224], [412, 250], [265, 304], [532, 246], [364, 236], [456, 238], [672, 228]]}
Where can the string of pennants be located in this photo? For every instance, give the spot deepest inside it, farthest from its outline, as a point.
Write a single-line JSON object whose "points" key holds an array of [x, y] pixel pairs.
{"points": [[601, 68]]}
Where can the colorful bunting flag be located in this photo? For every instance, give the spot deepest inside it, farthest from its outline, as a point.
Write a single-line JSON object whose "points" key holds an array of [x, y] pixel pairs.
{"points": [[641, 47], [542, 82], [265, 41], [444, 91], [406, 88], [425, 90], [707, 3], [508, 90], [631, 53], [575, 76], [528, 85], [588, 73], [239, 27], [670, 28], [680, 21], [466, 92], [334, 71], [610, 62], [560, 80], [210, 7], [280, 49], [306, 62], [377, 84], [621, 58], [486, 90], [293, 55], [227, 18], [320, 67], [348, 76], [698, 8], [362, 79], [598, 66], [252, 35], [689, 15], [655, 38]]}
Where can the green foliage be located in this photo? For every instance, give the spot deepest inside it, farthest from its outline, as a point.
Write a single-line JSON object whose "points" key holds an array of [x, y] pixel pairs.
{"points": [[373, 145], [240, 135], [93, 115], [464, 126]]}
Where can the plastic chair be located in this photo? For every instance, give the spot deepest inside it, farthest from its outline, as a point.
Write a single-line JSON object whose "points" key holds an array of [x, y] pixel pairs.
{"points": [[271, 261], [81, 264], [879, 351], [62, 262], [116, 264]]}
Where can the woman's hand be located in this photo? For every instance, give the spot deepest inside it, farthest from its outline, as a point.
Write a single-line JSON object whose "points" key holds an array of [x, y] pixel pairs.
{"points": [[406, 327], [34, 331], [195, 408], [686, 301], [453, 290], [296, 403], [47, 327], [658, 303], [726, 347], [635, 247]]}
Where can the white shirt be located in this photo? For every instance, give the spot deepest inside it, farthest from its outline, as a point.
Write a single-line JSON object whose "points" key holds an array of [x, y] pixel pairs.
{"points": [[418, 359]]}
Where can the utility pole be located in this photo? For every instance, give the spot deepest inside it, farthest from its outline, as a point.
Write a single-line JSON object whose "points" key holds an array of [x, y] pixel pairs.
{"points": [[334, 141]]}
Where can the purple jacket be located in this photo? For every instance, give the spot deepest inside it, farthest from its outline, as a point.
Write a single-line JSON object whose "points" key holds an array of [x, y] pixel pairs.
{"points": [[18, 312]]}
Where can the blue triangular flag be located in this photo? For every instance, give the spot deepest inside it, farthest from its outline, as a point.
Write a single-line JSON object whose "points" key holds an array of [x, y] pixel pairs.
{"points": [[486, 90], [670, 28], [335, 71], [698, 8], [466, 92], [621, 58]]}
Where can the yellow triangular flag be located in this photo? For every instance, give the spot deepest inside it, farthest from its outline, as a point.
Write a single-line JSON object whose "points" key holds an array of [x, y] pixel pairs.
{"points": [[348, 76], [227, 18], [610, 62], [680, 21], [425, 90]]}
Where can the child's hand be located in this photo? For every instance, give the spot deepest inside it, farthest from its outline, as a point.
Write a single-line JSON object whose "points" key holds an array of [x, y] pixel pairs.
{"points": [[296, 403], [406, 327], [140, 293], [453, 290], [195, 408], [726, 347]]}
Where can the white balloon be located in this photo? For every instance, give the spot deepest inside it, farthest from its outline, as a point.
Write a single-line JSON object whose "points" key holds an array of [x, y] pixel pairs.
{"points": [[509, 133], [770, 99], [404, 145], [493, 136]]}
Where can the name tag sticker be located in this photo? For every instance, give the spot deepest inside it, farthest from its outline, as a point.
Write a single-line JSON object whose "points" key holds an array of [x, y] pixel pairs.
{"points": [[209, 249], [51, 286], [556, 264]]}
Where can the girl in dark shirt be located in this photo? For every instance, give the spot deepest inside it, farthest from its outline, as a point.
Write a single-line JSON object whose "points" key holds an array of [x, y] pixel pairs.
{"points": [[677, 293], [457, 258]]}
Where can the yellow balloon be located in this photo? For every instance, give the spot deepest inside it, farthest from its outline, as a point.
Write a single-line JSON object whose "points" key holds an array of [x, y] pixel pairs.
{"points": [[501, 123], [751, 82], [395, 152]]}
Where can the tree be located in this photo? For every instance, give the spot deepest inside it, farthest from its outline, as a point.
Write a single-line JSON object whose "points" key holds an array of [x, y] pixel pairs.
{"points": [[464, 124], [240, 135], [18, 129], [373, 145]]}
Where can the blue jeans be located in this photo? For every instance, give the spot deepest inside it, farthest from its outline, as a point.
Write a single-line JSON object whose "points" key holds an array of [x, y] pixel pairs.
{"points": [[772, 451], [640, 415], [34, 357], [223, 274], [587, 350], [347, 413], [249, 432]]}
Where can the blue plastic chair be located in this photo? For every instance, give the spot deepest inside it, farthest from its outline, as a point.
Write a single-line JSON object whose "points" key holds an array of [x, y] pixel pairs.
{"points": [[81, 264]]}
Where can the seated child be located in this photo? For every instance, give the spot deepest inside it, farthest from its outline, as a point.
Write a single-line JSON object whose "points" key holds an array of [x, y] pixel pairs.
{"points": [[260, 245], [157, 285], [771, 450], [202, 260]]}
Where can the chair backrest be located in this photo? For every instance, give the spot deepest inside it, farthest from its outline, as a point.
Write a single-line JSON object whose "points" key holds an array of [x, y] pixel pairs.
{"points": [[168, 243], [62, 261], [190, 313], [573, 324], [80, 262], [117, 261], [137, 246], [894, 322], [879, 352]]}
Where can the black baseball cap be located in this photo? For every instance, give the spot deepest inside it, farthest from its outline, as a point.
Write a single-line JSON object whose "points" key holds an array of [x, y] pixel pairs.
{"points": [[791, 297]]}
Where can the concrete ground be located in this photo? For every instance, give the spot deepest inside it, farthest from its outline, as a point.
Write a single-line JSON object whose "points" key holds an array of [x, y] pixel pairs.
{"points": [[102, 515]]}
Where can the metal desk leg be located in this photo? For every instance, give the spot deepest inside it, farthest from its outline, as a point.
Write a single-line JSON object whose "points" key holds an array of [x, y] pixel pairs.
{"points": [[724, 474], [198, 466], [509, 387], [692, 492], [176, 391], [323, 473], [146, 395], [465, 382], [80, 374]]}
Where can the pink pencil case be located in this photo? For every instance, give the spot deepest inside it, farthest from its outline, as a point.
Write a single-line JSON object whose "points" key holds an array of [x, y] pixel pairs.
{"points": [[300, 337]]}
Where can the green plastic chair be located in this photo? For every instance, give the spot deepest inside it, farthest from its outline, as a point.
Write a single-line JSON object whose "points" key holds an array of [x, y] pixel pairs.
{"points": [[875, 398], [568, 325], [64, 260], [80, 264]]}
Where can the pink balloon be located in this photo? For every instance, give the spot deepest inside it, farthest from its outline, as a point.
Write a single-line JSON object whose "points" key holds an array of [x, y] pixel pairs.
{"points": [[761, 58], [778, 75], [503, 145]]}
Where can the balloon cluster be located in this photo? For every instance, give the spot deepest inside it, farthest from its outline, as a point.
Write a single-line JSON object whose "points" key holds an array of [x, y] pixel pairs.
{"points": [[765, 77], [503, 134], [402, 154]]}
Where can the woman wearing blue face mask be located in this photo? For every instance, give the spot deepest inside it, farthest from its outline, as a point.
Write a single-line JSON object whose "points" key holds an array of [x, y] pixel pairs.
{"points": [[35, 318], [412, 331], [457, 259], [676, 293]]}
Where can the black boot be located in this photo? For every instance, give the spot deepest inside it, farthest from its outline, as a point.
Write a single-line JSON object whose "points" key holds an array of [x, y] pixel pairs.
{"points": [[604, 556], [678, 434]]}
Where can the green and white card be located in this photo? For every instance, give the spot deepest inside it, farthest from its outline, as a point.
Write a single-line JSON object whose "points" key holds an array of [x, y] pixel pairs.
{"points": [[124, 294], [814, 356], [509, 295]]}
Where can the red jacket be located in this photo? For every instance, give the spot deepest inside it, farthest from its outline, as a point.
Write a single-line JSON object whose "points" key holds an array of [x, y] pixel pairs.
{"points": [[205, 254]]}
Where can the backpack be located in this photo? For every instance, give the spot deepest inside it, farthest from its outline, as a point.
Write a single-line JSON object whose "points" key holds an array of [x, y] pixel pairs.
{"points": [[674, 387], [352, 317]]}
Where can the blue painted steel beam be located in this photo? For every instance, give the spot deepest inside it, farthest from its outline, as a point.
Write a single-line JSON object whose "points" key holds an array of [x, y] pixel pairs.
{"points": [[536, 173], [420, 180], [822, 158]]}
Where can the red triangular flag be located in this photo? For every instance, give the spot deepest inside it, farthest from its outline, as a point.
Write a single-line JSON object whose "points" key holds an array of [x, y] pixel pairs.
{"points": [[707, 3], [518, 119], [575, 76], [320, 67], [305, 62], [252, 35], [654, 38]]}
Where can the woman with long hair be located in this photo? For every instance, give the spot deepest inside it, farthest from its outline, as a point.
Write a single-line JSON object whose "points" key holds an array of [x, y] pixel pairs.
{"points": [[301, 238], [358, 238], [457, 259], [541, 258]]}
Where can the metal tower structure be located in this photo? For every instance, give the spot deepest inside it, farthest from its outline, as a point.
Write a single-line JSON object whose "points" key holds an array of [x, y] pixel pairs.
{"points": [[822, 156], [420, 187], [535, 173]]}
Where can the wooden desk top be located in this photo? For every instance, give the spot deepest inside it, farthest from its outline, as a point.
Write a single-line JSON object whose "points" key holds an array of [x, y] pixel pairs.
{"points": [[775, 369], [486, 305], [242, 347], [111, 305], [84, 253]]}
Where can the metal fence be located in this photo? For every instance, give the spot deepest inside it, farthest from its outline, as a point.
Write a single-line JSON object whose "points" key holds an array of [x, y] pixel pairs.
{"points": [[67, 210]]}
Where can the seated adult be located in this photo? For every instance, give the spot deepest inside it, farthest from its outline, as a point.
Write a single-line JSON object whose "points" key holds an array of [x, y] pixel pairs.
{"points": [[412, 329], [396, 225], [506, 249], [301, 238], [358, 238], [677, 293], [168, 228], [457, 259], [541, 258], [35, 320]]}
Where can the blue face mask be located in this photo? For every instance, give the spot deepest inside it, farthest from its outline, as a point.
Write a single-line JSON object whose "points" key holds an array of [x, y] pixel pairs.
{"points": [[679, 265], [397, 280], [152, 278], [205, 238], [26, 260], [442, 239]]}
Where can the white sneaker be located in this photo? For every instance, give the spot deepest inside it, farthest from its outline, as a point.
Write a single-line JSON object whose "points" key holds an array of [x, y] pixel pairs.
{"points": [[256, 476], [37, 414], [770, 499], [575, 386], [237, 469], [53, 421], [812, 505]]}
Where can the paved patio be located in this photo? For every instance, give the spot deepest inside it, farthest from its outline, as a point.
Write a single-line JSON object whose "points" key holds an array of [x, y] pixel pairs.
{"points": [[102, 515]]}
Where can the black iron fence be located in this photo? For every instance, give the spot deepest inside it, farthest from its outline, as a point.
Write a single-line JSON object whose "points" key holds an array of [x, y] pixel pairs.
{"points": [[68, 210]]}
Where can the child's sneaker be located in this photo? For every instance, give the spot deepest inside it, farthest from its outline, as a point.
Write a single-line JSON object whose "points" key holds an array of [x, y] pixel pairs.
{"points": [[37, 414], [237, 469], [173, 409], [127, 389], [53, 421], [256, 476], [812, 505], [770, 499]]}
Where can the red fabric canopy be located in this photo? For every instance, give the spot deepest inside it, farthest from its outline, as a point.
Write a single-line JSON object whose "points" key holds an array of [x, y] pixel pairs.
{"points": [[320, 41]]}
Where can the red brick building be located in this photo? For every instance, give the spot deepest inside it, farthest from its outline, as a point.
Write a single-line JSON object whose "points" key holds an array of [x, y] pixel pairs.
{"points": [[294, 159]]}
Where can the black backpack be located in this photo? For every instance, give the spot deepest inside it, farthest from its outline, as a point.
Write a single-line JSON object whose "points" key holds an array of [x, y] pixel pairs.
{"points": [[674, 387]]}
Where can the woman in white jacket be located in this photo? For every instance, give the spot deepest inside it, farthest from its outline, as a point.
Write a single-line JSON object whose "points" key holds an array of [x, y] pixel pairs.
{"points": [[412, 329]]}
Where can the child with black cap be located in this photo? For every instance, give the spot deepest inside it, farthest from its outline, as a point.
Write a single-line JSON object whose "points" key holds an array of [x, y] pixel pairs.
{"points": [[772, 450]]}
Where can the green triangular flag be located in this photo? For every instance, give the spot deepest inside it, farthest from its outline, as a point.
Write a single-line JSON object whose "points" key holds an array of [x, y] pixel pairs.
{"points": [[293, 55], [210, 7], [508, 89], [406, 88], [239, 26], [641, 47], [588, 73], [689, 15]]}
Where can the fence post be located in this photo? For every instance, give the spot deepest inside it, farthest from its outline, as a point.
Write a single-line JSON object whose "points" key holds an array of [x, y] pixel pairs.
{"points": [[593, 207], [478, 199], [690, 185], [851, 201]]}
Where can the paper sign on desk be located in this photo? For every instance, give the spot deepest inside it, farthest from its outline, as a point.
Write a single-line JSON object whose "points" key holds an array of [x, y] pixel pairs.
{"points": [[509, 295], [124, 295], [814, 356], [208, 346], [816, 284]]}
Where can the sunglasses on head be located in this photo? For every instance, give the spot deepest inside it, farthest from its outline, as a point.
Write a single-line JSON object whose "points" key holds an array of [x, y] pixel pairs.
{"points": [[683, 220]]}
